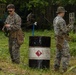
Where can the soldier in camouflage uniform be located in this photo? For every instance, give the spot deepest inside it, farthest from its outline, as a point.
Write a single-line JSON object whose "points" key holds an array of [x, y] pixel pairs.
{"points": [[62, 46], [13, 24]]}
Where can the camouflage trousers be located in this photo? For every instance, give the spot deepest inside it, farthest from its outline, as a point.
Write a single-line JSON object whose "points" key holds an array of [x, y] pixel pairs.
{"points": [[62, 55], [14, 50]]}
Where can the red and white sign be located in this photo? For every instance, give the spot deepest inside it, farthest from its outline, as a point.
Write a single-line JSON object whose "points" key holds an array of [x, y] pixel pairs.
{"points": [[39, 53]]}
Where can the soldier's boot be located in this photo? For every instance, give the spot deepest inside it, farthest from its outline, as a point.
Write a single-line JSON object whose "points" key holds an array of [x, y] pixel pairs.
{"points": [[56, 68], [64, 70], [0, 69], [17, 61]]}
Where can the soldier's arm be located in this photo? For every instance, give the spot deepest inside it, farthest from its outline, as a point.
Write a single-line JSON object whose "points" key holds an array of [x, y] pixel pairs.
{"points": [[69, 27], [17, 24], [63, 27], [7, 20]]}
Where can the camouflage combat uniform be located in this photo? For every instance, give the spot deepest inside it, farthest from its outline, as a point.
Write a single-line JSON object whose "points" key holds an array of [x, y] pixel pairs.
{"points": [[60, 28], [15, 22], [30, 19]]}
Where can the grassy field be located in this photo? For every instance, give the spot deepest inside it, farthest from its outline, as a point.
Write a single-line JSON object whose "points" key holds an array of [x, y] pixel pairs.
{"points": [[7, 68]]}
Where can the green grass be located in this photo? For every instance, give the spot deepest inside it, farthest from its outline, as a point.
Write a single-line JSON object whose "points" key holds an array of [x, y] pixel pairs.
{"points": [[22, 69]]}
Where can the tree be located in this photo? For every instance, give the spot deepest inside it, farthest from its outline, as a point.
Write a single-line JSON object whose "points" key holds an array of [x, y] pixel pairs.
{"points": [[40, 7], [3, 1]]}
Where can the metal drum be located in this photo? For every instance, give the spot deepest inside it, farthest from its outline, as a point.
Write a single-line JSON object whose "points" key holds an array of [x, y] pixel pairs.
{"points": [[39, 52]]}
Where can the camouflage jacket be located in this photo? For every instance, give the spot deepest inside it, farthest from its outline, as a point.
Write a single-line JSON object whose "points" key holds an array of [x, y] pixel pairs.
{"points": [[60, 26], [14, 21]]}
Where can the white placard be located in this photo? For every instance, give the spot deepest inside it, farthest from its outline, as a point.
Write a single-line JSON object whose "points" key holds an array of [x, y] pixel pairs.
{"points": [[71, 18], [39, 53]]}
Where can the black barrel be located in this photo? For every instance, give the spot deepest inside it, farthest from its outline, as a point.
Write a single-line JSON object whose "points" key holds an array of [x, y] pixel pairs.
{"points": [[39, 52]]}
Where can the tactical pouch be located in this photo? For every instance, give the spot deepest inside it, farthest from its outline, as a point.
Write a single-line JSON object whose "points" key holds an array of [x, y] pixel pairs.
{"points": [[20, 37], [59, 42], [67, 37]]}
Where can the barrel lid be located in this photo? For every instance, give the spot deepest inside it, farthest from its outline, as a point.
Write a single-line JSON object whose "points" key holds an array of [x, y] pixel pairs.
{"points": [[39, 41]]}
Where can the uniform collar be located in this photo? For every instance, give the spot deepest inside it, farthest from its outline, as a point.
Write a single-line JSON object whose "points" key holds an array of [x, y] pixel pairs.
{"points": [[60, 16], [12, 15]]}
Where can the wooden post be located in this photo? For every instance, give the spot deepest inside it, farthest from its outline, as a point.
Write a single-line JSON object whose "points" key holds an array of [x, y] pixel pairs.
{"points": [[2, 10], [72, 21]]}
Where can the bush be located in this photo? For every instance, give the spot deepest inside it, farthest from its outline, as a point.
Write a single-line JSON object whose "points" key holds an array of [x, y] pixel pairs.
{"points": [[73, 51]]}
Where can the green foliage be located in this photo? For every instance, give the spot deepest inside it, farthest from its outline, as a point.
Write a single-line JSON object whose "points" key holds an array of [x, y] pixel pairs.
{"points": [[73, 39], [61, 2], [73, 51], [3, 1], [72, 68], [29, 4], [72, 44], [64, 2], [72, 2], [37, 3], [22, 69]]}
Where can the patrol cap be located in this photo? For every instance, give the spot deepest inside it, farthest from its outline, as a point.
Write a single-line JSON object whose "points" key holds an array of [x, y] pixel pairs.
{"points": [[10, 6], [60, 10]]}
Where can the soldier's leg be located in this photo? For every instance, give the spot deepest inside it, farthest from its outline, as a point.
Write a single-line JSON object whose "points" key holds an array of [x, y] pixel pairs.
{"points": [[57, 59], [10, 48], [14, 52], [65, 56]]}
